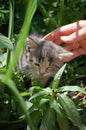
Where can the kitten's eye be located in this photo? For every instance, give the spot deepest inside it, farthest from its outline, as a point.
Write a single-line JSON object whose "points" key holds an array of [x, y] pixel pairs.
{"points": [[57, 66], [37, 64], [30, 60], [48, 68]]}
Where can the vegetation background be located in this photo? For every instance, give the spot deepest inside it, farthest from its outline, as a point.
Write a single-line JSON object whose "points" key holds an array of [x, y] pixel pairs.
{"points": [[48, 16]]}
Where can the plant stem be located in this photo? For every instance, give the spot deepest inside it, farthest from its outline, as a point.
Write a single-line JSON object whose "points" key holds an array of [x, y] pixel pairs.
{"points": [[61, 12], [11, 28]]}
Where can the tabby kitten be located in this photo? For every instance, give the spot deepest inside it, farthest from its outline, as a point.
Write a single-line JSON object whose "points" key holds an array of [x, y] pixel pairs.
{"points": [[41, 59]]}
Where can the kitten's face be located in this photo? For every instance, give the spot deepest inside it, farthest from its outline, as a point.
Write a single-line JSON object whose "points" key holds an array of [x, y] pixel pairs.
{"points": [[44, 57], [44, 67]]}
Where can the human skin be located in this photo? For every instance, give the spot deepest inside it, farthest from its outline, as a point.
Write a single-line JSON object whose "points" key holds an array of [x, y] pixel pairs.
{"points": [[73, 36]]}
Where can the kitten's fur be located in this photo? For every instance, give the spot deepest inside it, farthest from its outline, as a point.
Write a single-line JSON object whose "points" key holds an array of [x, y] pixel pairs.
{"points": [[41, 59]]}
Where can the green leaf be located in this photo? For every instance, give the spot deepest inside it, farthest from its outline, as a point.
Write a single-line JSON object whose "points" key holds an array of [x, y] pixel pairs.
{"points": [[28, 128], [73, 88], [37, 118], [28, 105], [57, 77], [55, 106], [61, 120], [70, 110], [48, 121], [3, 58], [5, 42], [33, 90], [23, 94], [43, 101], [46, 91]]}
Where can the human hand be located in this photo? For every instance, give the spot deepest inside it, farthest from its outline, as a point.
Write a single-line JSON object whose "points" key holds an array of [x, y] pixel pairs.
{"points": [[74, 37]]}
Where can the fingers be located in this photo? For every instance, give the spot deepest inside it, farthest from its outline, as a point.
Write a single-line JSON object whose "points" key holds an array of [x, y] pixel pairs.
{"points": [[53, 36], [74, 37], [70, 28], [64, 31], [76, 53], [71, 46], [76, 45]]}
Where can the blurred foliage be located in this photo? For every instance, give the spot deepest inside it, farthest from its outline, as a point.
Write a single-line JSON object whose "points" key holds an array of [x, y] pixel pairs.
{"points": [[46, 17]]}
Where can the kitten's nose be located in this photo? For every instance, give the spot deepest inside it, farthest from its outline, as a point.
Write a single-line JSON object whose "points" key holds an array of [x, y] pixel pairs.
{"points": [[42, 72]]}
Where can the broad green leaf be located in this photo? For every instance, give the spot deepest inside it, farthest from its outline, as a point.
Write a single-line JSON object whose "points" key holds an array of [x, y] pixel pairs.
{"points": [[70, 110], [5, 42], [48, 121], [39, 102], [46, 91], [33, 90], [61, 120], [43, 101], [36, 118], [28, 105], [57, 77], [73, 88], [55, 106]]}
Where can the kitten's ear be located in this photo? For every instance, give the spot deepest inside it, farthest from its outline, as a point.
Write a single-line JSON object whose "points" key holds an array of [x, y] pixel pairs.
{"points": [[31, 44], [64, 54]]}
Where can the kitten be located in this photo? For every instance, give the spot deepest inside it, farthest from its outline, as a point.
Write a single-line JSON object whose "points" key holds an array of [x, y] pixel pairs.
{"points": [[41, 59]]}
